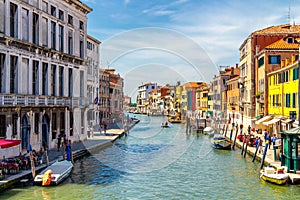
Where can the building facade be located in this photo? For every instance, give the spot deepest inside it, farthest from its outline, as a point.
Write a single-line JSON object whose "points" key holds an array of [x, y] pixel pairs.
{"points": [[93, 69], [43, 71]]}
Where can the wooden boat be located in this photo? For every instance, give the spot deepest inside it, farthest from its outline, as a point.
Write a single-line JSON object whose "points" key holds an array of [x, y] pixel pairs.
{"points": [[221, 142], [165, 126], [54, 174], [272, 175]]}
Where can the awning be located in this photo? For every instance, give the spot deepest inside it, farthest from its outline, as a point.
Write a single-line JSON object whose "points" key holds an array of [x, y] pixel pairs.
{"points": [[8, 143], [265, 118], [287, 121], [273, 121]]}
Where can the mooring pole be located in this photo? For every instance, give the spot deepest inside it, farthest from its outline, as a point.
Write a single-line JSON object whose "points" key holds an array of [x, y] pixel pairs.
{"points": [[237, 130], [264, 156]]}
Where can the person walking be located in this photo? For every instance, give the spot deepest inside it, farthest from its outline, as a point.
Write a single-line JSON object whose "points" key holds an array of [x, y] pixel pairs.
{"points": [[105, 127], [268, 140], [68, 151], [249, 129], [274, 138]]}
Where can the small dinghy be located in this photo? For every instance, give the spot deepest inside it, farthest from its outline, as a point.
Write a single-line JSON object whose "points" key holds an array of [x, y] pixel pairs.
{"points": [[54, 174], [272, 175]]}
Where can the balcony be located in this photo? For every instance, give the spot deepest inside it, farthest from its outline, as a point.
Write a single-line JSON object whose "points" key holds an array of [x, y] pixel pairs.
{"points": [[12, 100]]}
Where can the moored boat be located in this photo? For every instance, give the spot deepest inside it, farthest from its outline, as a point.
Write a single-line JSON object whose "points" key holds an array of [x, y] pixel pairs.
{"points": [[221, 142], [54, 174], [272, 175]]}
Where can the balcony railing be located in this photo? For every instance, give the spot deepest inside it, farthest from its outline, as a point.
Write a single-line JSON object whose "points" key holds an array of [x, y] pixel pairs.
{"points": [[8, 100]]}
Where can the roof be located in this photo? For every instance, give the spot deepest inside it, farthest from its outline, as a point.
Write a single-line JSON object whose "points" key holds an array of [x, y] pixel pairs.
{"points": [[279, 29], [283, 44], [195, 84]]}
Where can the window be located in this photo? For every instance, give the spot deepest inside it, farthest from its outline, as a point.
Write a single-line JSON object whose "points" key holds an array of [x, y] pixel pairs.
{"points": [[53, 35], [53, 11], [296, 73], [61, 81], [2, 69], [70, 42], [287, 76], [61, 38], [53, 80], [61, 15], [290, 40], [35, 28], [36, 122], [287, 100], [2, 126], [62, 123], [70, 20], [35, 77], [81, 25], [44, 79], [81, 84], [13, 20], [45, 32], [2, 20], [45, 6], [70, 83], [261, 61], [274, 59], [71, 123], [13, 74], [54, 125], [25, 25], [81, 46], [14, 125], [294, 100]]}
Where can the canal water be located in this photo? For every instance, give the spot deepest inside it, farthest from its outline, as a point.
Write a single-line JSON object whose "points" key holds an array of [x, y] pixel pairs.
{"points": [[161, 163]]}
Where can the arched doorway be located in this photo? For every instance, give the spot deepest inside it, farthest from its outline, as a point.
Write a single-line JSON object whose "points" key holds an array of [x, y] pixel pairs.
{"points": [[25, 133], [45, 130]]}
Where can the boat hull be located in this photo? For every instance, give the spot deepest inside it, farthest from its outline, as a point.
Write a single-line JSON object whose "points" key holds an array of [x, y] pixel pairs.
{"points": [[61, 171], [221, 142], [278, 179]]}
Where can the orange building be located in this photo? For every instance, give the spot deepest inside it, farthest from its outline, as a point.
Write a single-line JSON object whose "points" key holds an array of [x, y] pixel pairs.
{"points": [[233, 95]]}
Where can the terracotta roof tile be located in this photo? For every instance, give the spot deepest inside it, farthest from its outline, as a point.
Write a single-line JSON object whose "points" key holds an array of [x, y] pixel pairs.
{"points": [[283, 28], [282, 44]]}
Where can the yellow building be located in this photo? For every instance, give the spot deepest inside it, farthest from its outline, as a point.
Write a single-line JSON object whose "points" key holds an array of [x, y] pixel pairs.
{"points": [[202, 99], [233, 95], [283, 92], [270, 59]]}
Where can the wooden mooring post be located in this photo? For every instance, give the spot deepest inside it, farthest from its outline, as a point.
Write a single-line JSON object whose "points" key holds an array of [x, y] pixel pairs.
{"points": [[237, 130], [264, 156]]}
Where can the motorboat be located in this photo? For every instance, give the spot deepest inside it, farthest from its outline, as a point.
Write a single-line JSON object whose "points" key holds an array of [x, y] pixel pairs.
{"points": [[221, 142], [54, 174], [208, 131], [272, 175]]}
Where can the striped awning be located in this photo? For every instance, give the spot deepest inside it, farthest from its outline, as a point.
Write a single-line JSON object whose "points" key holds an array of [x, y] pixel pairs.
{"points": [[265, 118], [273, 121]]}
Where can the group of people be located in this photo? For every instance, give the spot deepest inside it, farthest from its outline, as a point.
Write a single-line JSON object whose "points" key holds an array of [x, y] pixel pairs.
{"points": [[268, 140]]}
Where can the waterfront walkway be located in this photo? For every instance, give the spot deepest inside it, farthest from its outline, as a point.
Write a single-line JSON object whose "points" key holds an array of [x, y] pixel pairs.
{"points": [[97, 142]]}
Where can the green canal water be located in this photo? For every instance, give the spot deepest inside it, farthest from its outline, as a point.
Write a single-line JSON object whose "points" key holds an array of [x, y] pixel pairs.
{"points": [[161, 163]]}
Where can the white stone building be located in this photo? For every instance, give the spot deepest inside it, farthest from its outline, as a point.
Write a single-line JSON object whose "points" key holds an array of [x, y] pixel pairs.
{"points": [[93, 80], [43, 71]]}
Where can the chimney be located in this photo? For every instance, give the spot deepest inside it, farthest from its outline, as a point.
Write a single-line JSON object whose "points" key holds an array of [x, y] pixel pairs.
{"points": [[236, 65], [232, 70]]}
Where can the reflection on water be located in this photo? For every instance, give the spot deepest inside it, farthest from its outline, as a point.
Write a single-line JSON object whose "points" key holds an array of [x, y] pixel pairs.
{"points": [[157, 163]]}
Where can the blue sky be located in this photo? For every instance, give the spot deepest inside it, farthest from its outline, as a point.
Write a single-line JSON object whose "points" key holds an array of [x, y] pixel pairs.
{"points": [[167, 41]]}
